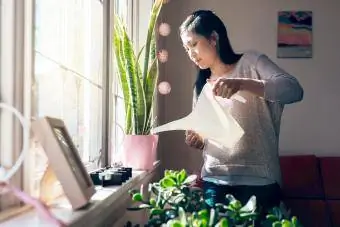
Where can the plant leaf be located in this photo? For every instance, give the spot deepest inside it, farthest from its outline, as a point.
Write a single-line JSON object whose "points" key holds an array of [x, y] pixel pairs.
{"points": [[149, 88], [277, 224], [190, 179], [181, 176], [152, 202], [119, 54], [135, 87], [271, 217], [167, 182], [137, 197], [156, 211], [132, 82], [222, 223], [182, 216], [140, 207], [156, 9], [212, 216], [250, 206], [248, 216], [286, 223], [203, 214], [175, 223], [177, 199]]}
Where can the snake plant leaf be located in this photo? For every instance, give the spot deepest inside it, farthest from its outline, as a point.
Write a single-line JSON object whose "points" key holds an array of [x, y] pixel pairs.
{"points": [[156, 9], [149, 88], [135, 87], [118, 50]]}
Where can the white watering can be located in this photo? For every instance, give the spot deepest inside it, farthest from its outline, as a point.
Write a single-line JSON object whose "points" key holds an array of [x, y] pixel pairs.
{"points": [[210, 118]]}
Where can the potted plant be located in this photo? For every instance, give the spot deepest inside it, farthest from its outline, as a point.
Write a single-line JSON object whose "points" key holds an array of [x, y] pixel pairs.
{"points": [[138, 79], [176, 201]]}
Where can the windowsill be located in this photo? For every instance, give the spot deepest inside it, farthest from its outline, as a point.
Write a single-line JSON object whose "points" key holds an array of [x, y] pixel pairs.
{"points": [[101, 205]]}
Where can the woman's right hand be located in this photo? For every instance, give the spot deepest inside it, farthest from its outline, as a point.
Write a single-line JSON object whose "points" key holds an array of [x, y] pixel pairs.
{"points": [[194, 140]]}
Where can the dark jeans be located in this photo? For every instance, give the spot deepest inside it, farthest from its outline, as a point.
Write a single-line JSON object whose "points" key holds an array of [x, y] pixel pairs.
{"points": [[267, 196]]}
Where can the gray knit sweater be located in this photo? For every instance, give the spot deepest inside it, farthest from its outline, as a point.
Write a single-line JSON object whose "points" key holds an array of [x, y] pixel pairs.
{"points": [[254, 160]]}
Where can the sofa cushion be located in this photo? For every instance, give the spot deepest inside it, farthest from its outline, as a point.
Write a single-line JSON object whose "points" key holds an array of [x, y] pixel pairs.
{"points": [[330, 169], [301, 177], [334, 210], [311, 213]]}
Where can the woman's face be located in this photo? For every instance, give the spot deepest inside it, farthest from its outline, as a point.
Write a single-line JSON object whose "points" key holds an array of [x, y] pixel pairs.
{"points": [[200, 50]]}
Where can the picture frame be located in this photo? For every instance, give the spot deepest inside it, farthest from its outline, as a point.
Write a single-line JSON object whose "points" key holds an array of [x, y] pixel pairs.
{"points": [[64, 159], [295, 34]]}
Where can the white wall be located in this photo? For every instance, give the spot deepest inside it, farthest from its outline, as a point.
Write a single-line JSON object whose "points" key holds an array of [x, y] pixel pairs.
{"points": [[311, 126]]}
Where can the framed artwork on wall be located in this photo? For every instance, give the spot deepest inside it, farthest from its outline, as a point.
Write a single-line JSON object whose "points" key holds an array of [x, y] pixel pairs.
{"points": [[294, 38]]}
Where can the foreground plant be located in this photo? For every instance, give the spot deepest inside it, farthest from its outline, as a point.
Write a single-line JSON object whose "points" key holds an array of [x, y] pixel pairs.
{"points": [[174, 201], [172, 192], [280, 217]]}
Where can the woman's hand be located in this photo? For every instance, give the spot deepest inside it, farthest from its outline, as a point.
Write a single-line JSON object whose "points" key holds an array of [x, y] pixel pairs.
{"points": [[227, 87], [194, 140]]}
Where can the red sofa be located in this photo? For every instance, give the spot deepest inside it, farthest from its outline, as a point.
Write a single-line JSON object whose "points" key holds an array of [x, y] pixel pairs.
{"points": [[311, 189]]}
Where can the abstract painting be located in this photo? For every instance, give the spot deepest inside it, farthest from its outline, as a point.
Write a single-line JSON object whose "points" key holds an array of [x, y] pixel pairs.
{"points": [[294, 34]]}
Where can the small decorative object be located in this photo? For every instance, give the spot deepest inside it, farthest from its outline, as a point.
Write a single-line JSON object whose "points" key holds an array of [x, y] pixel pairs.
{"points": [[163, 56], [64, 159], [294, 34], [164, 29], [164, 88], [111, 176]]}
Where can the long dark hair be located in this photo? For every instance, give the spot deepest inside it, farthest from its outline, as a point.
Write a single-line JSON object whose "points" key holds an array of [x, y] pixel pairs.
{"points": [[204, 23]]}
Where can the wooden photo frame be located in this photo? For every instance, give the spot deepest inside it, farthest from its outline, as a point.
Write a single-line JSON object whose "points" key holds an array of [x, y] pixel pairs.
{"points": [[64, 159]]}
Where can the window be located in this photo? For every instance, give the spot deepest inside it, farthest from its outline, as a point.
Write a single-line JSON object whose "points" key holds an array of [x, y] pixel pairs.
{"points": [[68, 76], [135, 15], [58, 63], [15, 70], [121, 9]]}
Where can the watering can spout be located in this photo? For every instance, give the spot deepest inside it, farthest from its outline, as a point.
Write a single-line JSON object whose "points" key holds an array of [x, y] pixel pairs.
{"points": [[210, 119]]}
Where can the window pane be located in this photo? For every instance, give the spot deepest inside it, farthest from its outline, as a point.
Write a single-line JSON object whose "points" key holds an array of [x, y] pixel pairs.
{"points": [[68, 68], [121, 9], [136, 20]]}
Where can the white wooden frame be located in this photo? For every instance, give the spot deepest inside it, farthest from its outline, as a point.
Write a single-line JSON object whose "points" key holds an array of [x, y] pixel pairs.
{"points": [[64, 159]]}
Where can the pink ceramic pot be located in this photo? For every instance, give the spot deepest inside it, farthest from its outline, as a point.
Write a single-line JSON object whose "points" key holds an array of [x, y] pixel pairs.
{"points": [[140, 151]]}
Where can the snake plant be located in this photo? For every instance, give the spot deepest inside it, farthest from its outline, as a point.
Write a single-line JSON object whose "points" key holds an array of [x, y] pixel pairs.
{"points": [[137, 79]]}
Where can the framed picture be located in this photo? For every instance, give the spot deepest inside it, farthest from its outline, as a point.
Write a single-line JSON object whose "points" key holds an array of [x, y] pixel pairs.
{"points": [[294, 38], [64, 159]]}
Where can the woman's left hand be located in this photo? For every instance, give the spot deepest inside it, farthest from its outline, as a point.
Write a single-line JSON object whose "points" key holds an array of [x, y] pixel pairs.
{"points": [[226, 87]]}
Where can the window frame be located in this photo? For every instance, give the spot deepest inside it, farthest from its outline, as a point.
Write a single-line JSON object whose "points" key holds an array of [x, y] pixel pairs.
{"points": [[19, 44], [137, 20], [23, 97], [107, 112]]}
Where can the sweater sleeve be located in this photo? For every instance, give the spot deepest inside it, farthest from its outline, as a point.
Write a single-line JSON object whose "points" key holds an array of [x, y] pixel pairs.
{"points": [[279, 86]]}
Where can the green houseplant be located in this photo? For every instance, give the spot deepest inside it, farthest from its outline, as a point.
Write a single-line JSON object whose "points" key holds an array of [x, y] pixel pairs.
{"points": [[176, 200], [138, 79]]}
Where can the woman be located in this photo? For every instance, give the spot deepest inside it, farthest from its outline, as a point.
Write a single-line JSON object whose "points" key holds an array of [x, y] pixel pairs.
{"points": [[252, 166]]}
